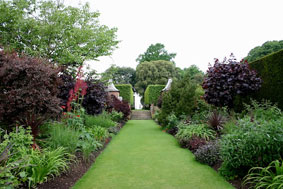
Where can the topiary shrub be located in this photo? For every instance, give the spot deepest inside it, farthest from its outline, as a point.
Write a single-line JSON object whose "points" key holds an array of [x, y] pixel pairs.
{"points": [[126, 92], [95, 99], [270, 69], [227, 79], [208, 153], [28, 90], [152, 94]]}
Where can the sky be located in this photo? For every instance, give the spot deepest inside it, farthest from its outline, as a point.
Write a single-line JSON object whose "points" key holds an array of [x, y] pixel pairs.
{"points": [[197, 30]]}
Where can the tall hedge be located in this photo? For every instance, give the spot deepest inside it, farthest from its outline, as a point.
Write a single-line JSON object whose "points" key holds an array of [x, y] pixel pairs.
{"points": [[152, 93], [126, 92], [270, 69]]}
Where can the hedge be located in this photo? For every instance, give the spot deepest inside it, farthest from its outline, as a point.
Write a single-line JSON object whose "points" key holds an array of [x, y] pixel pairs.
{"points": [[270, 69], [152, 93], [126, 92]]}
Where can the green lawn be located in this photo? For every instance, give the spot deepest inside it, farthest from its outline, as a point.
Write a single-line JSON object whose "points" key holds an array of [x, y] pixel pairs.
{"points": [[142, 156]]}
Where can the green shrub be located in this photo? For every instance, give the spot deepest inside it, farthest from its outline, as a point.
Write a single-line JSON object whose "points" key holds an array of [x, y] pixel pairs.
{"points": [[266, 177], [126, 92], [152, 93], [208, 153], [116, 116], [270, 69], [254, 143], [180, 99], [62, 136], [103, 120]]}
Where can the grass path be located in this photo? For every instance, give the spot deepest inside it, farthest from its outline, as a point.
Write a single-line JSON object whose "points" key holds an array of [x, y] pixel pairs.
{"points": [[141, 156]]}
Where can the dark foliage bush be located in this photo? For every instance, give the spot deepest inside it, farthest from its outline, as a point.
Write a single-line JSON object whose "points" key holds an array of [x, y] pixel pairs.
{"points": [[95, 98], [119, 106], [208, 153], [216, 121], [227, 79], [194, 143], [68, 83], [28, 90]]}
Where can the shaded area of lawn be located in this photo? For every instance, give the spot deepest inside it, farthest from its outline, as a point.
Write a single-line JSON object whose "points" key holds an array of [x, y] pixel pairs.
{"points": [[141, 156]]}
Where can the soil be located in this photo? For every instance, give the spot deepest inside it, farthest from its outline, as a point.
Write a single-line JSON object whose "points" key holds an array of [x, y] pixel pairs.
{"points": [[237, 183], [76, 170]]}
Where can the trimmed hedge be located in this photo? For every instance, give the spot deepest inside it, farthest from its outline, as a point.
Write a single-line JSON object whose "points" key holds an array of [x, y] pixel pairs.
{"points": [[270, 69], [152, 93], [126, 92]]}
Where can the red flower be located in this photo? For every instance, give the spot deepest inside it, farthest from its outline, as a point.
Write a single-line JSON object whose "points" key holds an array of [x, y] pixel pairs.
{"points": [[63, 107], [78, 116], [64, 113]]}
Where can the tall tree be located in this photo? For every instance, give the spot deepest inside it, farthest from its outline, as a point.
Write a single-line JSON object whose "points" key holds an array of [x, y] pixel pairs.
{"points": [[154, 72], [65, 35], [195, 74], [263, 50], [156, 52], [120, 75]]}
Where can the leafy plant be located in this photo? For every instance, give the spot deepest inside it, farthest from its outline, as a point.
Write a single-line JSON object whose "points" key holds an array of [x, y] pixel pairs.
{"points": [[100, 133], [116, 116], [63, 136], [87, 143], [199, 130], [266, 177], [20, 138], [208, 153], [99, 120], [254, 143], [194, 143], [263, 111], [172, 124], [28, 92], [46, 164], [227, 79]]}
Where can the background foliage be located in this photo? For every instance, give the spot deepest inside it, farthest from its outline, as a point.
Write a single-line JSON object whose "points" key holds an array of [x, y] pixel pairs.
{"points": [[266, 48], [156, 52], [153, 73]]}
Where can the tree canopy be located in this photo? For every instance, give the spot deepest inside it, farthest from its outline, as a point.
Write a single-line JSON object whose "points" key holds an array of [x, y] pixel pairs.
{"points": [[120, 75], [193, 72], [263, 50], [156, 52], [154, 72], [48, 29]]}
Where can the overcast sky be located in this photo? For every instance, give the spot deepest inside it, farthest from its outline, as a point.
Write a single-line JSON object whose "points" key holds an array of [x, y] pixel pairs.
{"points": [[197, 30]]}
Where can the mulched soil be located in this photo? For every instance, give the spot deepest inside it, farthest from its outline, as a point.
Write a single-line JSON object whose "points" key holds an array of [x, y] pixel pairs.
{"points": [[76, 170]]}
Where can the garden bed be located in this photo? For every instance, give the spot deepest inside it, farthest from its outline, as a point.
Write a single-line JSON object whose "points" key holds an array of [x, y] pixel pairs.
{"points": [[76, 170]]}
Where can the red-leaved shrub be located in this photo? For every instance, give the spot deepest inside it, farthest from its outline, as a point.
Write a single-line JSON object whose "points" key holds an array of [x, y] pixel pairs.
{"points": [[119, 106], [28, 90]]}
